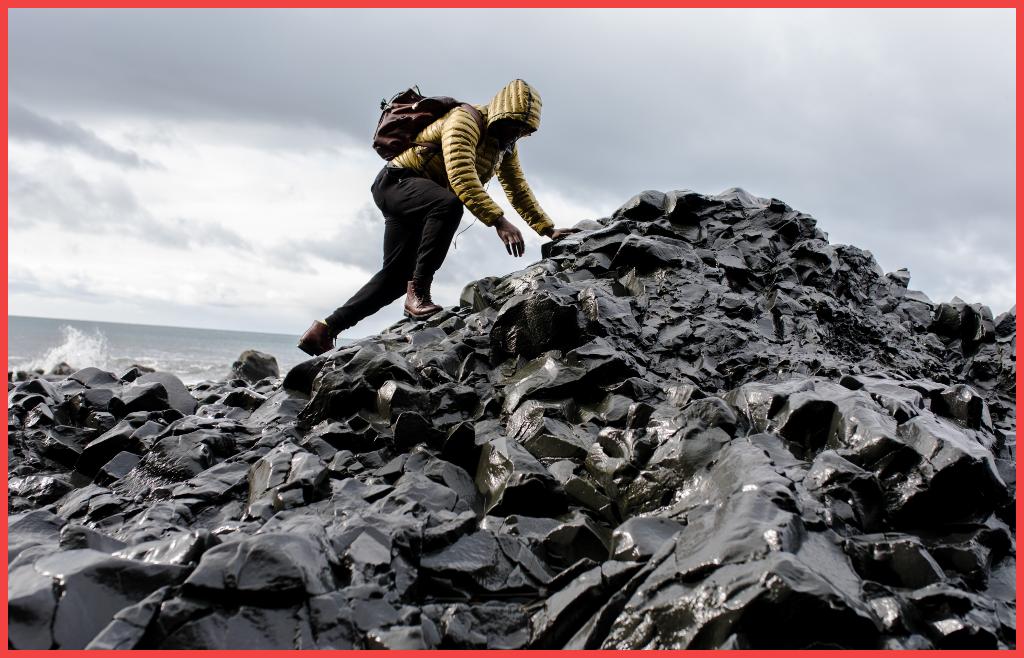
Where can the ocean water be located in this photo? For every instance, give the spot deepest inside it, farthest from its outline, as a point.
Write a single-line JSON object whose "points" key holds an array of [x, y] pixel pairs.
{"points": [[193, 355]]}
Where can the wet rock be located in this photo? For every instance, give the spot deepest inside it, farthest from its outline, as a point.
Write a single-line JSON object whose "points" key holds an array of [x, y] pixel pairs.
{"points": [[563, 542], [244, 627], [89, 503], [963, 404], [272, 568], [135, 371], [279, 408], [63, 444], [300, 377], [900, 561], [647, 254], [140, 396], [183, 548], [512, 480], [488, 625], [120, 438], [253, 365], [569, 608], [38, 490], [409, 638], [76, 408], [695, 424], [129, 625], [482, 563], [215, 484], [851, 494], [285, 477], [930, 488], [36, 528], [641, 537], [244, 399], [93, 587], [547, 437], [954, 619], [178, 396], [644, 206], [74, 536], [775, 602], [95, 378], [62, 369], [176, 458], [581, 489], [530, 324], [31, 606]]}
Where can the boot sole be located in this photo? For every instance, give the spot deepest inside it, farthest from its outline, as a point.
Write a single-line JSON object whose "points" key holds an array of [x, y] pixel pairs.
{"points": [[420, 317], [310, 351]]}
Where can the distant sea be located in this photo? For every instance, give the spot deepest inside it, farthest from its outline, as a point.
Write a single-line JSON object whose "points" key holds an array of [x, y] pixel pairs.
{"points": [[193, 355]]}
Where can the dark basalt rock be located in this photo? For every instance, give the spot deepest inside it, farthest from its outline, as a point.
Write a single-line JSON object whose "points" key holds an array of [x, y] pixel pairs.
{"points": [[488, 625], [88, 588], [36, 490], [119, 466], [694, 424], [285, 477], [62, 369], [641, 537], [36, 528], [253, 365], [178, 396], [272, 568], [74, 536], [95, 378], [568, 609], [532, 323], [140, 396]]}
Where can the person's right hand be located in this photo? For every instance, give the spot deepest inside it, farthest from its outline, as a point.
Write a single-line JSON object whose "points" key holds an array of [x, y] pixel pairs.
{"points": [[510, 236], [559, 233]]}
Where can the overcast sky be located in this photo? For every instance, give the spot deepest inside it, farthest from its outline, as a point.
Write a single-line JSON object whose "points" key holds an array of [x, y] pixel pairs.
{"points": [[211, 168]]}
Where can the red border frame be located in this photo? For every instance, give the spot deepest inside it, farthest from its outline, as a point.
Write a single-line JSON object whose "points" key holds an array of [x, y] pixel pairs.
{"points": [[524, 4], [528, 4]]}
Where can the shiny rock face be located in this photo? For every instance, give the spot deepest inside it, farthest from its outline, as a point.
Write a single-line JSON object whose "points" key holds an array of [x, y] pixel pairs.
{"points": [[694, 424]]}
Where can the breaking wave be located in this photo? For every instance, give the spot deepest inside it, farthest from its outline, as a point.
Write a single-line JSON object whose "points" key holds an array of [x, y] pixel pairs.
{"points": [[77, 347]]}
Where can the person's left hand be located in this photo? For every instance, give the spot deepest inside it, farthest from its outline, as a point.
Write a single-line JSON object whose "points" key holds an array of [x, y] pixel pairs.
{"points": [[510, 236]]}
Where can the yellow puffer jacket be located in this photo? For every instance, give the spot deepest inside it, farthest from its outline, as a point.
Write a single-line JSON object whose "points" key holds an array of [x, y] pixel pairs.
{"points": [[467, 159]]}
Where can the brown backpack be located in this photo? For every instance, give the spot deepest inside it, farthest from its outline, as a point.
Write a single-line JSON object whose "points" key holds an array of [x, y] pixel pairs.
{"points": [[406, 114]]}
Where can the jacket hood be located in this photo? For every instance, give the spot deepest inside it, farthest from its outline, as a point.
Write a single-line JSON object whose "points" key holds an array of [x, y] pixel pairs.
{"points": [[517, 100]]}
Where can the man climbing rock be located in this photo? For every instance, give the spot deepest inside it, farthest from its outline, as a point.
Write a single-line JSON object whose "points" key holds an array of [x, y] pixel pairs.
{"points": [[422, 192]]}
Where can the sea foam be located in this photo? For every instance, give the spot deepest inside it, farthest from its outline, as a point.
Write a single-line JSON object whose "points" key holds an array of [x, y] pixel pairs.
{"points": [[77, 349]]}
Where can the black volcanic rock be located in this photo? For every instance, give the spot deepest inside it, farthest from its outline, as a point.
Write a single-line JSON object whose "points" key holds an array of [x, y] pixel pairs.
{"points": [[694, 424], [88, 588], [253, 365]]}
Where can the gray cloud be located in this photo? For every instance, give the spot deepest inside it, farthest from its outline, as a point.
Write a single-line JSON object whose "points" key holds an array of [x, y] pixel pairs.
{"points": [[84, 287], [63, 199], [894, 128], [24, 124], [355, 243], [22, 281]]}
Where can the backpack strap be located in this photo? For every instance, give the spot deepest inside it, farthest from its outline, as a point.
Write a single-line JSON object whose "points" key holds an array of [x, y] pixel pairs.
{"points": [[475, 113]]}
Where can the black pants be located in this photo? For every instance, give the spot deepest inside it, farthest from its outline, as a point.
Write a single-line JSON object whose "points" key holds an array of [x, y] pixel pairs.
{"points": [[420, 218]]}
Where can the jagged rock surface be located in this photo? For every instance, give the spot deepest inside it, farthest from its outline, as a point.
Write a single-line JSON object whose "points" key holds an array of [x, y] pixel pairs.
{"points": [[695, 424]]}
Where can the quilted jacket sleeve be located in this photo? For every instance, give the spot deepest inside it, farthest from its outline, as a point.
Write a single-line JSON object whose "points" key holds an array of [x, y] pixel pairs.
{"points": [[459, 140], [510, 173]]}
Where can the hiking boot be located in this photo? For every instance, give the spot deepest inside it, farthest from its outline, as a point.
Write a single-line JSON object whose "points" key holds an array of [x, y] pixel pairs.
{"points": [[418, 304], [317, 339]]}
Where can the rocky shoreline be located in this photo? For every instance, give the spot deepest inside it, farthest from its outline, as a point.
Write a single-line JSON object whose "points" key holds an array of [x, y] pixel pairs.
{"points": [[696, 424]]}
